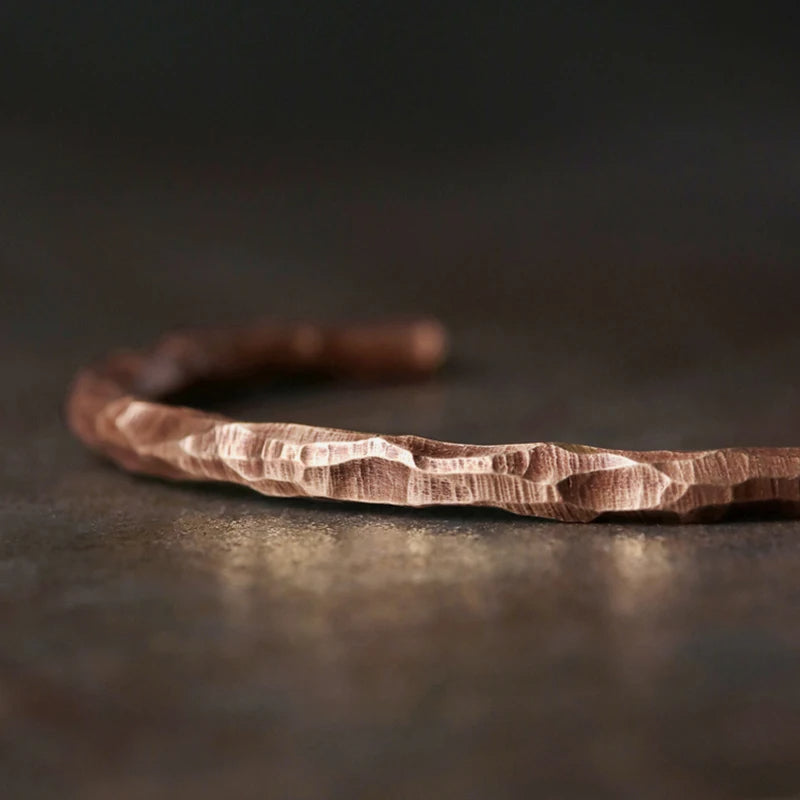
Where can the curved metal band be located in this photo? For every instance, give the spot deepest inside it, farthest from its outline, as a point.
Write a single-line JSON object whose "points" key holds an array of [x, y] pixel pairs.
{"points": [[112, 408]]}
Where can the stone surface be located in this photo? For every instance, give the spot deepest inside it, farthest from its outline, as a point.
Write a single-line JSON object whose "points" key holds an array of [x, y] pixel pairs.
{"points": [[198, 641]]}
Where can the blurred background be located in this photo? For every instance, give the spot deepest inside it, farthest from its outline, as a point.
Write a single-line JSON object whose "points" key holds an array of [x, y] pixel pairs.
{"points": [[599, 199], [407, 76], [483, 160]]}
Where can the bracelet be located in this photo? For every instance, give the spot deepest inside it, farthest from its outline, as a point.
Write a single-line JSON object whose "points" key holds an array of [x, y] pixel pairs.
{"points": [[112, 408]]}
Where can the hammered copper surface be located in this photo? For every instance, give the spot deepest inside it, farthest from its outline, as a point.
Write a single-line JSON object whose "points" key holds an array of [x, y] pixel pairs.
{"points": [[109, 408], [199, 641]]}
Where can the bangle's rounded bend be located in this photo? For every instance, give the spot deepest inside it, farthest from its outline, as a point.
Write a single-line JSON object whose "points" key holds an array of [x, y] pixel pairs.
{"points": [[111, 408]]}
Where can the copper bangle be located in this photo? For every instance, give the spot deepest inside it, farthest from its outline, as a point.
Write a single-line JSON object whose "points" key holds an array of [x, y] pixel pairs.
{"points": [[111, 408]]}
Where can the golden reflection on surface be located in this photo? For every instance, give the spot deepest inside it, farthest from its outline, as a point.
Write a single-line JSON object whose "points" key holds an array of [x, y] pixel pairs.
{"points": [[396, 565], [645, 571]]}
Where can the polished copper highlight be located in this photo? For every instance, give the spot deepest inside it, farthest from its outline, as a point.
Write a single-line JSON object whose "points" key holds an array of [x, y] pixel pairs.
{"points": [[113, 408]]}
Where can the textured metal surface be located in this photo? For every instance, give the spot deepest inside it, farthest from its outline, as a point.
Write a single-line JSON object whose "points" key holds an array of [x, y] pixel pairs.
{"points": [[201, 641], [111, 408]]}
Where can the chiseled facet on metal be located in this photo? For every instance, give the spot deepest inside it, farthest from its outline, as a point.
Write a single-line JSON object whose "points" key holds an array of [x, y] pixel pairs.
{"points": [[113, 408]]}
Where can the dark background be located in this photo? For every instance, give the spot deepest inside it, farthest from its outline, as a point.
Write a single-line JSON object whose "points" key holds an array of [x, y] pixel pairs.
{"points": [[599, 199], [500, 160], [395, 74]]}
